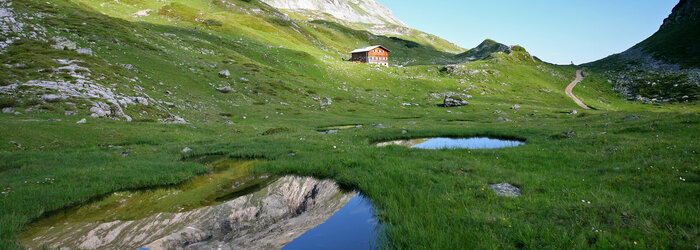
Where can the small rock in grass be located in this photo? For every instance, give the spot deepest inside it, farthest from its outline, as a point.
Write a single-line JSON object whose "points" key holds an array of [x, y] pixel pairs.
{"points": [[8, 110], [85, 51], [632, 117], [225, 73], [378, 126], [228, 123], [515, 107], [225, 89], [573, 112], [186, 150], [453, 101], [503, 119], [326, 101], [332, 131], [569, 134], [498, 112], [69, 113], [52, 98], [82, 121], [127, 152], [404, 131], [16, 144], [505, 189], [62, 43]]}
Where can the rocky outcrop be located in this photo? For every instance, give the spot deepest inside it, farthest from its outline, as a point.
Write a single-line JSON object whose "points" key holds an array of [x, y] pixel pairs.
{"points": [[355, 11], [267, 219], [453, 101]]}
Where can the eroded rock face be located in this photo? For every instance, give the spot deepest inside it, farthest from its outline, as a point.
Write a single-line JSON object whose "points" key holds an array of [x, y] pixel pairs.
{"points": [[269, 218], [372, 12]]}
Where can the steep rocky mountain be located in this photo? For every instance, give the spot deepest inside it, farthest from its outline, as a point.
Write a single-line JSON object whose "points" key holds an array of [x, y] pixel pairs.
{"points": [[665, 66], [361, 15], [355, 11]]}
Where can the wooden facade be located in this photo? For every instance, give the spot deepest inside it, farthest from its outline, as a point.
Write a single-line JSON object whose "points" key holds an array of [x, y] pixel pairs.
{"points": [[374, 55]]}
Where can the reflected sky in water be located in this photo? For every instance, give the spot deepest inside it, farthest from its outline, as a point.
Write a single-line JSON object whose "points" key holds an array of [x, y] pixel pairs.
{"points": [[353, 227], [470, 143]]}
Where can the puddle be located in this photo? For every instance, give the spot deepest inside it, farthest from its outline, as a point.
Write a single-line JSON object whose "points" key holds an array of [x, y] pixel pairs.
{"points": [[227, 209], [452, 143], [342, 127], [353, 227]]}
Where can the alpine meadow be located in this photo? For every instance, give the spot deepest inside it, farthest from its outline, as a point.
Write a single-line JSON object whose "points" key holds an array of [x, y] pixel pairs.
{"points": [[249, 124]]}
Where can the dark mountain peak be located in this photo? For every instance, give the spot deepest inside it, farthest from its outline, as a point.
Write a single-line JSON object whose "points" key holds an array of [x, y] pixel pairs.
{"points": [[687, 11]]}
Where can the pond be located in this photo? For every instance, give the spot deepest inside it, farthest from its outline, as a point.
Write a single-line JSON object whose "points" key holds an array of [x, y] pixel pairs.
{"points": [[454, 143], [226, 209]]}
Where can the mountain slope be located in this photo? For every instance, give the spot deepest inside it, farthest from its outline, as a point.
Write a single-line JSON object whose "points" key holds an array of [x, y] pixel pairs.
{"points": [[664, 67], [483, 50]]}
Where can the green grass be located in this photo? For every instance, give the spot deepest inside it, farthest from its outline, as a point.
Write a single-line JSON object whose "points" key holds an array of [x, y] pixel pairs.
{"points": [[427, 199]]}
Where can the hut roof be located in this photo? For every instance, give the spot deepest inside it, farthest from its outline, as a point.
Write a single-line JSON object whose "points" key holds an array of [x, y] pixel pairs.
{"points": [[365, 49]]}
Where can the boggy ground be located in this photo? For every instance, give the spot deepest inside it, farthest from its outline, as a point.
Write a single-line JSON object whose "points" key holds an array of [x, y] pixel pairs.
{"points": [[616, 182]]}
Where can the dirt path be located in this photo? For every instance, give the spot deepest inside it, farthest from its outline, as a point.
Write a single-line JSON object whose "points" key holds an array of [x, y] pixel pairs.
{"points": [[570, 89]]}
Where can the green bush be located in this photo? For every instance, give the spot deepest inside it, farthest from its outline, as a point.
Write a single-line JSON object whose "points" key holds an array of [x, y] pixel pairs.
{"points": [[273, 131], [212, 22], [7, 102]]}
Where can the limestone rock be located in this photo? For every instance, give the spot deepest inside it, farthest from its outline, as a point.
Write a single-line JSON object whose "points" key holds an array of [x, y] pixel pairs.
{"points": [[186, 150], [52, 98], [326, 101], [86, 51], [8, 110], [515, 107], [505, 189], [100, 109], [62, 43], [225, 74], [82, 121], [632, 117], [225, 89], [452, 101], [141, 100], [332, 131]]}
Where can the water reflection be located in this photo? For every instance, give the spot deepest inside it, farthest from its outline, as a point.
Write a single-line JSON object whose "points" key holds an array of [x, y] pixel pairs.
{"points": [[452, 143], [267, 217]]}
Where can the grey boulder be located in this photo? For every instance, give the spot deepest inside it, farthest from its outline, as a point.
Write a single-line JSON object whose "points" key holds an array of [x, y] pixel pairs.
{"points": [[451, 101], [505, 189]]}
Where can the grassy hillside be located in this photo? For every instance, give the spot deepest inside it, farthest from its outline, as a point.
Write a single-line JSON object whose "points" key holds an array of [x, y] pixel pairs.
{"points": [[639, 175]]}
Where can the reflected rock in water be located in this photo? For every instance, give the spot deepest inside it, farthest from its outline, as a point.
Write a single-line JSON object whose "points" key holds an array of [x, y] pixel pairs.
{"points": [[268, 218]]}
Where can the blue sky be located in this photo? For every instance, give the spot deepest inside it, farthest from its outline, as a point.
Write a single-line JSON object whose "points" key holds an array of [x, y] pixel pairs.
{"points": [[556, 31]]}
